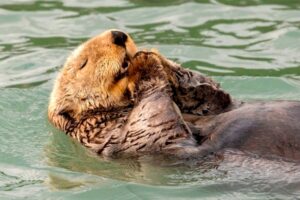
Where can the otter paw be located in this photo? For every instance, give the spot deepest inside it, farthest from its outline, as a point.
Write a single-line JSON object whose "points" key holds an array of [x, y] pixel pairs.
{"points": [[147, 59]]}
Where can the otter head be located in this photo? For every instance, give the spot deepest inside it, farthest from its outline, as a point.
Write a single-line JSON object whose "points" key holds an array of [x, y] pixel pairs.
{"points": [[93, 77]]}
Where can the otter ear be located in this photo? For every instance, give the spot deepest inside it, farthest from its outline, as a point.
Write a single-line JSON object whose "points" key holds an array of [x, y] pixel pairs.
{"points": [[64, 119], [67, 114], [61, 118], [66, 111]]}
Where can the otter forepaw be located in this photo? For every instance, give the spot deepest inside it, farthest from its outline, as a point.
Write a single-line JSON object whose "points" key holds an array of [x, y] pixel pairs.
{"points": [[147, 58]]}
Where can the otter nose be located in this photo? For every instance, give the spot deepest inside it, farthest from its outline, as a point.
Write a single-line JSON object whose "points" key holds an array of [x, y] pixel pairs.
{"points": [[119, 38]]}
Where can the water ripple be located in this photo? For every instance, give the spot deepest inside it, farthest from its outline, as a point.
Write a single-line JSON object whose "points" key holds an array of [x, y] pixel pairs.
{"points": [[250, 46]]}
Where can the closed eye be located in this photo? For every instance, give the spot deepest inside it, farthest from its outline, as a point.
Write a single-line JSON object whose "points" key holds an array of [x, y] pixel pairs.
{"points": [[125, 63], [83, 64]]}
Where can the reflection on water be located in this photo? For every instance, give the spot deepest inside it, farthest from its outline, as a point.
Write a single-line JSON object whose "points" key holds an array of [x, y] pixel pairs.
{"points": [[235, 173], [66, 153], [250, 46]]}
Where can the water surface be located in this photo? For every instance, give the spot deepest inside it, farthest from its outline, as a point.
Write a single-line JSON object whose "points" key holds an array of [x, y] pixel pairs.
{"points": [[251, 46]]}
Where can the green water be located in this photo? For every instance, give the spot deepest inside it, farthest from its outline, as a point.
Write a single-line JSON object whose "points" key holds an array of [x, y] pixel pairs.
{"points": [[251, 46]]}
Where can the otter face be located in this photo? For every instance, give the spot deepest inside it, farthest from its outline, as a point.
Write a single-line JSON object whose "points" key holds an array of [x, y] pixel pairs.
{"points": [[94, 76]]}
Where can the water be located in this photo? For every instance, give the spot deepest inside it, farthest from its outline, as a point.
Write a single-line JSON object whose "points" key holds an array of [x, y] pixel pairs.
{"points": [[251, 46]]}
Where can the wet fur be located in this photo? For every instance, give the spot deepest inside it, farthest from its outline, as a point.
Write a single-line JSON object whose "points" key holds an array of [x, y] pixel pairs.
{"points": [[141, 111], [88, 81], [138, 128]]}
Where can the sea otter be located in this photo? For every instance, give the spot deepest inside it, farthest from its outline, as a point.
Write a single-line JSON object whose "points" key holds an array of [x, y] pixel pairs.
{"points": [[118, 101]]}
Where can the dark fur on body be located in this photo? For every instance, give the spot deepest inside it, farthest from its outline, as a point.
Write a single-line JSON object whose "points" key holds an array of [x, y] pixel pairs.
{"points": [[156, 106], [267, 129], [153, 124]]}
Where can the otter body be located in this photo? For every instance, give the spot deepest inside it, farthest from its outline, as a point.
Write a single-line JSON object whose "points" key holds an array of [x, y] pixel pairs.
{"points": [[264, 128], [117, 101]]}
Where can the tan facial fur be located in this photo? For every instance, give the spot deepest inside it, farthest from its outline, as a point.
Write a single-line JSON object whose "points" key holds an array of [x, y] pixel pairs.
{"points": [[93, 77]]}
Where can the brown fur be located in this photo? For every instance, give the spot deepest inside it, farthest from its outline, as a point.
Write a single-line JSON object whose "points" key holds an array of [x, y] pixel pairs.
{"points": [[90, 105], [87, 80], [138, 110], [267, 129], [139, 129], [193, 92]]}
